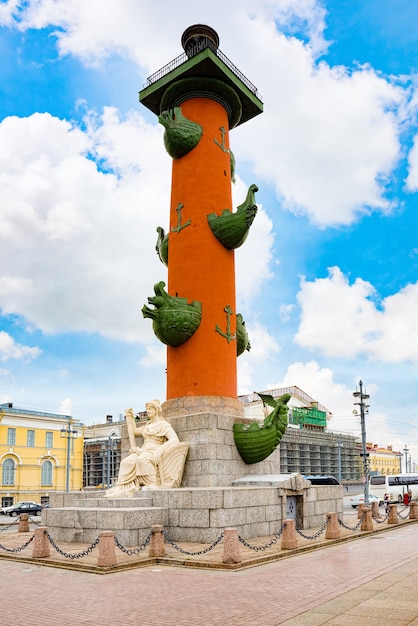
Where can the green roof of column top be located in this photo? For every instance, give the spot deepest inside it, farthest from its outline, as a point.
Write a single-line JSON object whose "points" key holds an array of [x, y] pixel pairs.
{"points": [[202, 70]]}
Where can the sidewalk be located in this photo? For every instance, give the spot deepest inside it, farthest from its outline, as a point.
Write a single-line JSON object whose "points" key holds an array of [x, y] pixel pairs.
{"points": [[368, 581], [389, 598]]}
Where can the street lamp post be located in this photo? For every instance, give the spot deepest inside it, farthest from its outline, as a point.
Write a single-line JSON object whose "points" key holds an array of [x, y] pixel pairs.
{"points": [[68, 433], [364, 408], [406, 450]]}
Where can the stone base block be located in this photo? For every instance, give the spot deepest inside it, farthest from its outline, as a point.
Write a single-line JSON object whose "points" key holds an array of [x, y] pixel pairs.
{"points": [[192, 514], [83, 525], [213, 459]]}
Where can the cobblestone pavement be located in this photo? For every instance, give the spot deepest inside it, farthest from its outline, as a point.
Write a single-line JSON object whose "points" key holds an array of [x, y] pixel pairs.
{"points": [[369, 581]]}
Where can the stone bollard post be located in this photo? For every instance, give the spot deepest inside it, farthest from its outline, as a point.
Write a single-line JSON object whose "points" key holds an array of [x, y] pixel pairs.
{"points": [[107, 554], [333, 529], [157, 547], [360, 510], [24, 523], [232, 552], [289, 535], [41, 547], [375, 509], [413, 511], [367, 521], [393, 514]]}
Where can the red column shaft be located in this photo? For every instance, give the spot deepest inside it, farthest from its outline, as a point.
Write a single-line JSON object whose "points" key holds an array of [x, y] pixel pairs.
{"points": [[200, 268]]}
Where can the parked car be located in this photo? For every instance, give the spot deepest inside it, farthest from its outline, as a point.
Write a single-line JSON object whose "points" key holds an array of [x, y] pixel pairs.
{"points": [[356, 500], [25, 507], [6, 509]]}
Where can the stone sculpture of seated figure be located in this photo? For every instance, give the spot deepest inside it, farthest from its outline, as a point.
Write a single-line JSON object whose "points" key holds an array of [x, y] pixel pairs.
{"points": [[158, 463]]}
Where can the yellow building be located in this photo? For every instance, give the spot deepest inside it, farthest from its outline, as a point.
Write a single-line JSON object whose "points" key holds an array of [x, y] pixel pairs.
{"points": [[39, 453], [384, 460]]}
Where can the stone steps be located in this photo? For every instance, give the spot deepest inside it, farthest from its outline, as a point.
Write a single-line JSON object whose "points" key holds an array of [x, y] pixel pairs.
{"points": [[119, 503]]}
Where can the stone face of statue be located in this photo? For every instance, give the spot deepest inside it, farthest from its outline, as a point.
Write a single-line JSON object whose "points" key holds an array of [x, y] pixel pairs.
{"points": [[151, 412], [153, 409]]}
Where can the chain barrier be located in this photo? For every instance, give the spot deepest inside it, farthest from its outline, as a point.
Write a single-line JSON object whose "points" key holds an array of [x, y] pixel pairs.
{"points": [[351, 513], [267, 545], [136, 551], [316, 535], [3, 528], [68, 555], [205, 551], [142, 547], [20, 548], [407, 513], [381, 521], [356, 527]]}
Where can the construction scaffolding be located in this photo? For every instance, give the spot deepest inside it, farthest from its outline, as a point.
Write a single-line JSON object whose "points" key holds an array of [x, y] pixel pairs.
{"points": [[101, 463], [313, 452]]}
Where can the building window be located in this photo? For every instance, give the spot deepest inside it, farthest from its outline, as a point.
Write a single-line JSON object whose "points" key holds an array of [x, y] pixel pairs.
{"points": [[48, 439], [11, 436], [8, 474], [31, 439], [46, 473]]}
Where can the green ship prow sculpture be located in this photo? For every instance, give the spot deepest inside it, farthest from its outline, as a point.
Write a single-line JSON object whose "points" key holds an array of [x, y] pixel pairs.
{"points": [[174, 320], [231, 229], [255, 442]]}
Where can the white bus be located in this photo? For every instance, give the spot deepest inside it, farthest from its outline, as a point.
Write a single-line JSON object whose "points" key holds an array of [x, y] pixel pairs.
{"points": [[395, 485]]}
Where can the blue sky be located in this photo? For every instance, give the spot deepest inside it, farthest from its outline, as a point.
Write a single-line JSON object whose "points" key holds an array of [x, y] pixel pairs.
{"points": [[327, 280]]}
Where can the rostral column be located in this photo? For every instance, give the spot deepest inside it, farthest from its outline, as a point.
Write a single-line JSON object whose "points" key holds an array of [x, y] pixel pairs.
{"points": [[199, 97]]}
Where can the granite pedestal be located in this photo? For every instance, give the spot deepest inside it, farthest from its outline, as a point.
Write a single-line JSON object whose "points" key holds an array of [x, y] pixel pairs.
{"points": [[197, 514]]}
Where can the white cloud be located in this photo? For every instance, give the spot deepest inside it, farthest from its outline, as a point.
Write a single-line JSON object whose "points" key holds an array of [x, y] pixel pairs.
{"points": [[155, 356], [328, 139], [11, 284], [66, 407], [319, 384], [78, 244], [264, 348], [304, 15], [9, 349], [397, 340], [263, 345], [343, 320], [99, 28], [8, 12], [381, 423], [64, 374], [286, 311], [412, 178], [253, 260]]}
